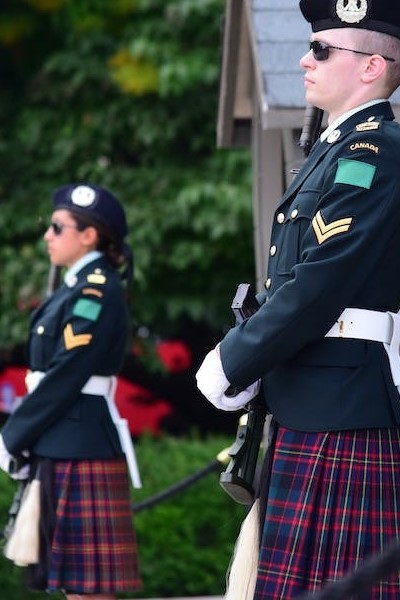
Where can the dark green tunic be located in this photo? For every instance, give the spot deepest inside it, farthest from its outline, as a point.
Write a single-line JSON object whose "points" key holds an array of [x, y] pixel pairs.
{"points": [[335, 243]]}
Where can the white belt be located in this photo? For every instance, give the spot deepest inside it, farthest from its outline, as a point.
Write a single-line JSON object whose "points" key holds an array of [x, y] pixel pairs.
{"points": [[98, 385], [362, 324]]}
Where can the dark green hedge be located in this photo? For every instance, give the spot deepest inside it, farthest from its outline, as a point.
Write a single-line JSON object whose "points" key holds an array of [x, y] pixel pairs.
{"points": [[186, 541]]}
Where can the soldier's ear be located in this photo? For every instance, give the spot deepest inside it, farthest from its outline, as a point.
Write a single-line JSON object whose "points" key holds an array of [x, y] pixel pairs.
{"points": [[375, 67], [89, 237]]}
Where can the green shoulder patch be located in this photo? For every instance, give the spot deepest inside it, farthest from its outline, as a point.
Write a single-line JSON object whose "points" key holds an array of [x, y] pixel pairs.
{"points": [[87, 309], [355, 172]]}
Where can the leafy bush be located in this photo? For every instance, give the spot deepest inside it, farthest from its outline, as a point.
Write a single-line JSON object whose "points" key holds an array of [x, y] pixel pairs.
{"points": [[12, 584], [185, 541], [124, 94]]}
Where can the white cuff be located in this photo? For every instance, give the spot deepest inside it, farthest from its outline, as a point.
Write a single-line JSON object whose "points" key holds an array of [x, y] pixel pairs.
{"points": [[211, 379], [239, 401]]}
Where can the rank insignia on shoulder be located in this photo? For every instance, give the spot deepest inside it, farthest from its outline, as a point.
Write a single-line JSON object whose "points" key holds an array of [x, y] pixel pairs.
{"points": [[74, 341], [324, 231], [96, 278], [92, 292], [369, 125], [364, 146]]}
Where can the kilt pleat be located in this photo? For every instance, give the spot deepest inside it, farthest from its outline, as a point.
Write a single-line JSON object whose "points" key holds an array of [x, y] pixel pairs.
{"points": [[333, 500], [94, 546]]}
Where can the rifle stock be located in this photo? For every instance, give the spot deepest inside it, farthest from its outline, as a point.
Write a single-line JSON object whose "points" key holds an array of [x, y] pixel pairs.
{"points": [[311, 128]]}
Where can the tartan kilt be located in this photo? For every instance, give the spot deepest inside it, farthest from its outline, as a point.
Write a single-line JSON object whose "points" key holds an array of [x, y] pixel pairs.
{"points": [[92, 545], [333, 500]]}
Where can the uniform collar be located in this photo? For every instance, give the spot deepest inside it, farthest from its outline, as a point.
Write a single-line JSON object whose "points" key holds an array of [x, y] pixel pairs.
{"points": [[325, 134], [319, 150], [70, 275]]}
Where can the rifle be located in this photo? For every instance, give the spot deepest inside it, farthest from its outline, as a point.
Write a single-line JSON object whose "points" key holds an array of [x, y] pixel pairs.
{"points": [[17, 463], [311, 128], [238, 478], [53, 280]]}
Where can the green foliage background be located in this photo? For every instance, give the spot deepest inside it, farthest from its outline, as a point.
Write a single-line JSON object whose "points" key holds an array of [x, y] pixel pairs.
{"points": [[185, 542], [124, 94]]}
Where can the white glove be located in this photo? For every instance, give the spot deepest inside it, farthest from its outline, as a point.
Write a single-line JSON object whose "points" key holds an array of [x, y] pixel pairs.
{"points": [[5, 456], [211, 379], [241, 399], [212, 383], [5, 461], [22, 473]]}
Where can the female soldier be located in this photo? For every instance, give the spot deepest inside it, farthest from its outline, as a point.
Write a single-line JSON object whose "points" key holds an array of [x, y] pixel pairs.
{"points": [[325, 338], [77, 342]]}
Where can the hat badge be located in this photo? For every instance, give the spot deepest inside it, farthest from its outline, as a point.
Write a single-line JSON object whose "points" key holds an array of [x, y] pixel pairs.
{"points": [[83, 195], [351, 11]]}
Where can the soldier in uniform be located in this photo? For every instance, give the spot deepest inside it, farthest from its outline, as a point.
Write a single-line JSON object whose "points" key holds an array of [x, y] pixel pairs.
{"points": [[66, 424], [325, 340]]}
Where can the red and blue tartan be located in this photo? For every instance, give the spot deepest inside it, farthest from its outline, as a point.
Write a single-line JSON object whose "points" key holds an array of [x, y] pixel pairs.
{"points": [[94, 547], [334, 499]]}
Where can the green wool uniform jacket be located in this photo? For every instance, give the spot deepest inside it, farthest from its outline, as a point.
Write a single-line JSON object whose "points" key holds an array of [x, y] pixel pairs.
{"points": [[80, 331], [335, 243]]}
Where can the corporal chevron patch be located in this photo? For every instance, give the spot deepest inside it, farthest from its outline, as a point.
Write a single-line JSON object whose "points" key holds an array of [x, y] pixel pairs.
{"points": [[74, 341], [324, 231]]}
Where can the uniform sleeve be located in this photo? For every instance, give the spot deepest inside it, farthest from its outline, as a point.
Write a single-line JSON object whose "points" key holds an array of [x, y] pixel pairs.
{"points": [[338, 244]]}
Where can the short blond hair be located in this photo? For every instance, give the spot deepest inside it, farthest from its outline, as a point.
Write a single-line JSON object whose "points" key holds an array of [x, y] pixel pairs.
{"points": [[374, 42]]}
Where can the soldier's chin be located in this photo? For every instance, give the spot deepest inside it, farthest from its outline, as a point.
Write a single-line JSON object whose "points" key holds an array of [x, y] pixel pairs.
{"points": [[313, 100], [309, 96], [54, 262]]}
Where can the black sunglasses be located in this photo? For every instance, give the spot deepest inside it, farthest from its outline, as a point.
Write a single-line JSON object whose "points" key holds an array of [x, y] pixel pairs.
{"points": [[58, 228], [321, 50]]}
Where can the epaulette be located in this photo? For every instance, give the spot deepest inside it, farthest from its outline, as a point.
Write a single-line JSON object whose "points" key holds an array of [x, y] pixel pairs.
{"points": [[369, 125], [97, 277]]}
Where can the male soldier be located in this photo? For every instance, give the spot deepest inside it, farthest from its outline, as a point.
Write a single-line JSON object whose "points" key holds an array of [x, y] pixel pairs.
{"points": [[324, 339]]}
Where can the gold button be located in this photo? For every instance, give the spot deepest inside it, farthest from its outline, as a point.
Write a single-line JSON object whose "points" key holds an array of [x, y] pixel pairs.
{"points": [[294, 213], [280, 218], [272, 250], [268, 283], [40, 330]]}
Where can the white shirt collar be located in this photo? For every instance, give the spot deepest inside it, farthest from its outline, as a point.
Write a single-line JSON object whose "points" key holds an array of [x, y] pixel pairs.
{"points": [[79, 264], [346, 115]]}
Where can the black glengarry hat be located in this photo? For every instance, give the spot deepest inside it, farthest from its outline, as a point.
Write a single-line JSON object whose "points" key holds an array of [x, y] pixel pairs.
{"points": [[94, 201], [375, 15]]}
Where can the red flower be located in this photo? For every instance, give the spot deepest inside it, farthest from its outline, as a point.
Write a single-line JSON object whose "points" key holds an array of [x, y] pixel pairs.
{"points": [[174, 355]]}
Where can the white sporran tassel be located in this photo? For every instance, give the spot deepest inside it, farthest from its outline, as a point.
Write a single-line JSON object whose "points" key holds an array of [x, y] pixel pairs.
{"points": [[242, 571], [23, 546]]}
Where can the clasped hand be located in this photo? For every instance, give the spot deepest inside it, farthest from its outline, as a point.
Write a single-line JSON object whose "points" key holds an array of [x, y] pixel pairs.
{"points": [[5, 463], [213, 383]]}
